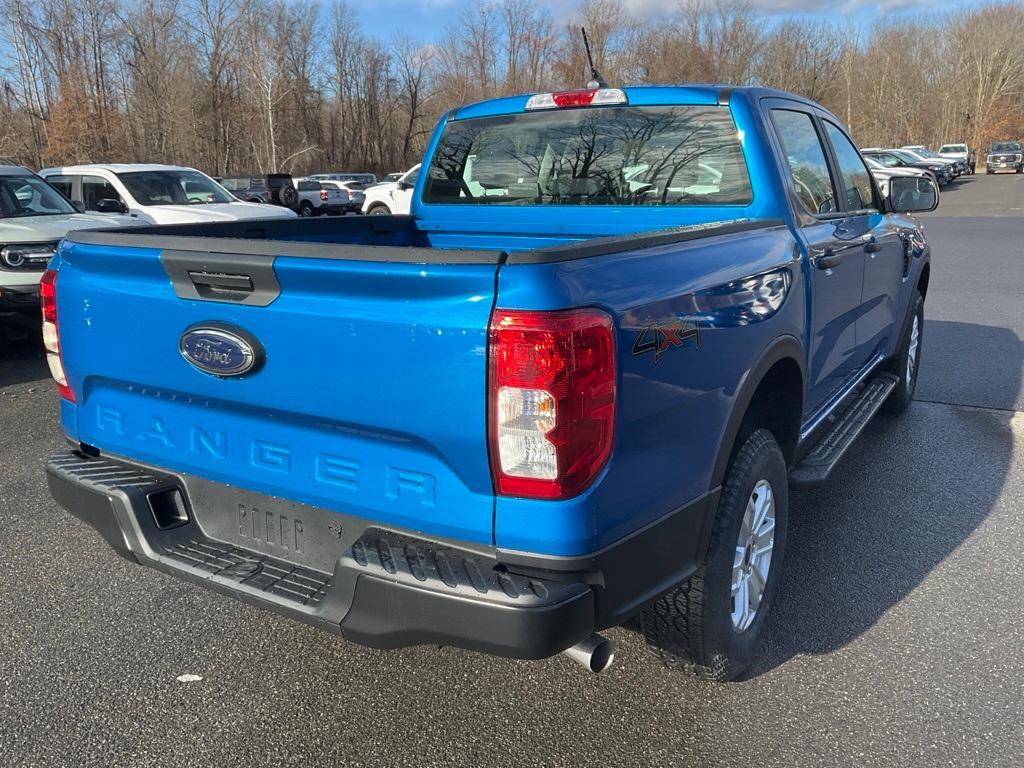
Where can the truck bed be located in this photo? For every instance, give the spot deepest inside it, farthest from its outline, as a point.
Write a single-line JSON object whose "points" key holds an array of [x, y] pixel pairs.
{"points": [[397, 239]]}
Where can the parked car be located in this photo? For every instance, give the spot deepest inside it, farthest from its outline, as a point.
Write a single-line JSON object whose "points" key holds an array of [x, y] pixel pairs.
{"points": [[33, 218], [896, 158], [153, 194], [362, 178], [960, 167], [961, 152], [356, 193], [883, 175], [1004, 156], [274, 188], [318, 199], [392, 176], [545, 403], [393, 196]]}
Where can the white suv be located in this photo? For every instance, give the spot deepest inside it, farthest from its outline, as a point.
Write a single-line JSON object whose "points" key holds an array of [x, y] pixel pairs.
{"points": [[34, 218], [392, 196], [156, 194]]}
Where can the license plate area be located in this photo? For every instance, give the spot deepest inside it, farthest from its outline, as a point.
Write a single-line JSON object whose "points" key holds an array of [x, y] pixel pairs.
{"points": [[296, 533]]}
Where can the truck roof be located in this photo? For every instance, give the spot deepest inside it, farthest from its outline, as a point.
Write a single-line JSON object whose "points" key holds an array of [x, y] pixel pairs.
{"points": [[114, 168], [645, 95]]}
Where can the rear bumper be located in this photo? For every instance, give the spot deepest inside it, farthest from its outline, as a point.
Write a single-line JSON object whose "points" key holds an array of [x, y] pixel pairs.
{"points": [[378, 587]]}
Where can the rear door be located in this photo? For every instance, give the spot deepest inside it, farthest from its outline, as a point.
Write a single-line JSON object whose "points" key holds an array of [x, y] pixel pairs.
{"points": [[884, 263], [835, 247], [368, 392]]}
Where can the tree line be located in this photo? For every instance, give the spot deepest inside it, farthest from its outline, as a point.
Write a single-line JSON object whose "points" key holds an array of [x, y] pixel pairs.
{"points": [[281, 85]]}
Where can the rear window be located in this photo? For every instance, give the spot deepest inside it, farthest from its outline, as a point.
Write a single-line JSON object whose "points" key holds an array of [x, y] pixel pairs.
{"points": [[679, 155]]}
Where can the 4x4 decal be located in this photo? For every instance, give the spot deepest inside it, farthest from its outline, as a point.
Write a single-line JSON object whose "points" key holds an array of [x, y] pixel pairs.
{"points": [[661, 338]]}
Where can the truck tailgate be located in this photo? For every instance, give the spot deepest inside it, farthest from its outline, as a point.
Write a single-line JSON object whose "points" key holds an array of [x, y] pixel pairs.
{"points": [[370, 399]]}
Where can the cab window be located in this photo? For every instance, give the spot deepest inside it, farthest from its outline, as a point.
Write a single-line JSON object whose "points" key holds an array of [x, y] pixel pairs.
{"points": [[855, 178], [96, 188], [805, 157], [62, 184]]}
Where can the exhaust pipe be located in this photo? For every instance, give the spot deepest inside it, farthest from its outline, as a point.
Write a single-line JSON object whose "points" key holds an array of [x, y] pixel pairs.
{"points": [[596, 653]]}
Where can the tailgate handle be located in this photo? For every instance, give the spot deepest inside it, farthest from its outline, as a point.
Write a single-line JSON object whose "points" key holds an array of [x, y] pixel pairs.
{"points": [[231, 278], [211, 284]]}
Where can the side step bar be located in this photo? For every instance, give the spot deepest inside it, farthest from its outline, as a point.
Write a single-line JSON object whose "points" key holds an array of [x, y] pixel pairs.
{"points": [[816, 466]]}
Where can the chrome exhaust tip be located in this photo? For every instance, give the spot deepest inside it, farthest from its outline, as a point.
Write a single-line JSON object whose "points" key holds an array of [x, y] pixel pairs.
{"points": [[596, 653]]}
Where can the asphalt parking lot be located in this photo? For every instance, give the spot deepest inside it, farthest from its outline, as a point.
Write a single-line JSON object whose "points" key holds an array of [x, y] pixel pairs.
{"points": [[897, 638]]}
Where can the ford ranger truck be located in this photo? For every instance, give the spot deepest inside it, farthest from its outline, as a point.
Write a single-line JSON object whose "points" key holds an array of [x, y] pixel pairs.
{"points": [[570, 390]]}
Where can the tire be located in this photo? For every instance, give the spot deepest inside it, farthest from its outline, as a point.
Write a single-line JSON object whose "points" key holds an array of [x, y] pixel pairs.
{"points": [[910, 344], [693, 628], [379, 210], [306, 209], [288, 196]]}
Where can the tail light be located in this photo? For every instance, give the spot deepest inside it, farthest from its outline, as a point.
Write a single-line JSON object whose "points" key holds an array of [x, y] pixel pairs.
{"points": [[323, 195], [51, 333], [551, 400]]}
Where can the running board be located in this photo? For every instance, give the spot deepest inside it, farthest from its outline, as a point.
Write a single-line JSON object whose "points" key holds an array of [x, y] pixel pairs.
{"points": [[816, 466]]}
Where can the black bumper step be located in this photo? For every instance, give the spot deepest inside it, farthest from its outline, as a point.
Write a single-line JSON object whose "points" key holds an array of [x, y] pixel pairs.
{"points": [[385, 588], [819, 462]]}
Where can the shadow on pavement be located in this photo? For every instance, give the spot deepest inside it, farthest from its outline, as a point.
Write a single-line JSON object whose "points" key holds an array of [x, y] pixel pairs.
{"points": [[22, 360], [911, 490]]}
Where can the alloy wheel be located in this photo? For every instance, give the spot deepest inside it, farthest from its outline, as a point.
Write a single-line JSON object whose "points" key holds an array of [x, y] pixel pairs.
{"points": [[753, 558]]}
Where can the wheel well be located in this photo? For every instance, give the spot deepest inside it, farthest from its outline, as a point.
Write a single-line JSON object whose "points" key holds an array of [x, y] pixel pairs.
{"points": [[777, 405], [922, 282]]}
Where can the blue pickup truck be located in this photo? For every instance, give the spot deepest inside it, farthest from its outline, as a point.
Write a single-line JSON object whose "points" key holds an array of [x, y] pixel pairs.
{"points": [[571, 390]]}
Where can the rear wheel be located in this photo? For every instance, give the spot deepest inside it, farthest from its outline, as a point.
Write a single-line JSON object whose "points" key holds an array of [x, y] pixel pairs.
{"points": [[712, 624], [306, 209]]}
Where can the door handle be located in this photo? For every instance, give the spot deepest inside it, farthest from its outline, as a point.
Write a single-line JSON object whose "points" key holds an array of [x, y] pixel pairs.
{"points": [[828, 259]]}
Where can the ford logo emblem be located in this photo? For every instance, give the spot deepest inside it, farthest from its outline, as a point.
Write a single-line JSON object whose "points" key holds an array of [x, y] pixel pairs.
{"points": [[220, 349]]}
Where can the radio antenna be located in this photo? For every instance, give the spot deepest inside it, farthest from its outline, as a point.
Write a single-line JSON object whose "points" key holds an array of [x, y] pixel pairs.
{"points": [[596, 81]]}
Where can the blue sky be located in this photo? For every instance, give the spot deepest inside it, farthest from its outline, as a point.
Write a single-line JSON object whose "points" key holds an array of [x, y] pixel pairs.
{"points": [[425, 19]]}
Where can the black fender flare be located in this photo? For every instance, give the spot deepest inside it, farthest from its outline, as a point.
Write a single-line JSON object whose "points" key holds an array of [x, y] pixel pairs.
{"points": [[780, 348]]}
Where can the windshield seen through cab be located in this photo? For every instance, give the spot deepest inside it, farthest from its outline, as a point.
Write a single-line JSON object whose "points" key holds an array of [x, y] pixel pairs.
{"points": [[677, 155]]}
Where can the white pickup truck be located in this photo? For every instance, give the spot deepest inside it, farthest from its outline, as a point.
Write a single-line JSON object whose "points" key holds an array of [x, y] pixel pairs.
{"points": [[392, 196]]}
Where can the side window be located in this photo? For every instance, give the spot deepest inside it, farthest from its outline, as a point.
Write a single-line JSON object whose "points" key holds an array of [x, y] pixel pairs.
{"points": [[806, 159], [856, 178], [94, 189], [62, 184]]}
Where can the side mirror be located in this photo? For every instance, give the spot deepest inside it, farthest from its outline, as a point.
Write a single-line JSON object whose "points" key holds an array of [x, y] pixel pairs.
{"points": [[78, 205], [110, 205], [912, 194], [403, 185]]}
